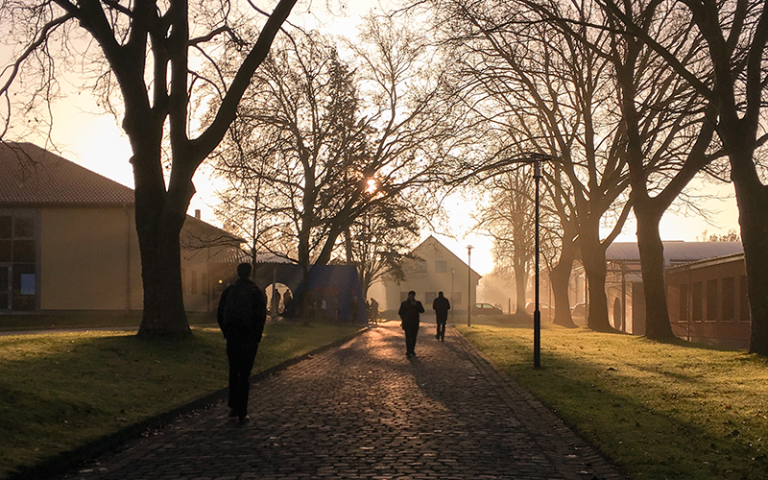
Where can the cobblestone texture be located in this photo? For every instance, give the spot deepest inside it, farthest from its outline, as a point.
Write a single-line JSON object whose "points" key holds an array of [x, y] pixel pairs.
{"points": [[364, 411]]}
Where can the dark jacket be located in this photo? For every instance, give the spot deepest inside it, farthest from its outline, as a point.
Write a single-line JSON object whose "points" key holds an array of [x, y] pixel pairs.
{"points": [[441, 305], [409, 313], [242, 312]]}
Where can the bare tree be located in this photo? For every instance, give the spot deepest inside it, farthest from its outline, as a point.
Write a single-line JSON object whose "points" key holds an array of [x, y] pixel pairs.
{"points": [[668, 134], [735, 34], [668, 140], [509, 220], [321, 133], [550, 95], [379, 241], [145, 49]]}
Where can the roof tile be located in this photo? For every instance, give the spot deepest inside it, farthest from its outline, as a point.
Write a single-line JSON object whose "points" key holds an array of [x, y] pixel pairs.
{"points": [[33, 175]]}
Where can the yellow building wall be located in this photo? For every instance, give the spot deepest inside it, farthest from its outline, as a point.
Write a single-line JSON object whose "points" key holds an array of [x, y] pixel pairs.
{"points": [[89, 260], [426, 278]]}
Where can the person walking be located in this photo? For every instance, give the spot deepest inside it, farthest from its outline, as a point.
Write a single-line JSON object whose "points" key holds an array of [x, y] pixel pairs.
{"points": [[409, 314], [441, 305], [374, 311], [242, 314], [275, 303], [354, 309]]}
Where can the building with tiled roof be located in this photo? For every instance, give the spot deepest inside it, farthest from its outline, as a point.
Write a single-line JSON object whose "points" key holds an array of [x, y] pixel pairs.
{"points": [[68, 241], [675, 253], [626, 297], [35, 176], [433, 268]]}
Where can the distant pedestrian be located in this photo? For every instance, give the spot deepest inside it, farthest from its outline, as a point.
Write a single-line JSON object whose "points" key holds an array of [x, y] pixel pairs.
{"points": [[354, 308], [275, 303], [409, 314], [374, 311], [441, 305], [241, 315], [289, 309]]}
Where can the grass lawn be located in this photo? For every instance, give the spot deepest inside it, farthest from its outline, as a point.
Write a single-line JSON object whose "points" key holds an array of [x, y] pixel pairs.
{"points": [[659, 411], [59, 391], [13, 323]]}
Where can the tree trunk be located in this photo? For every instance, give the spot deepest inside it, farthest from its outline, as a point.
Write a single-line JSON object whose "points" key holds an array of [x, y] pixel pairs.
{"points": [[752, 199], [159, 219], [164, 314], [521, 284], [559, 278], [657, 326], [593, 257]]}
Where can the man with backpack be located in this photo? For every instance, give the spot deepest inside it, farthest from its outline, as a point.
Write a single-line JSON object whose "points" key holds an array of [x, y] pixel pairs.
{"points": [[241, 315]]}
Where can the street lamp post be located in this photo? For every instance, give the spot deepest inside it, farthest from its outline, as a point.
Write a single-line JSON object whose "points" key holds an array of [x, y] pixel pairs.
{"points": [[453, 275], [537, 312], [469, 285]]}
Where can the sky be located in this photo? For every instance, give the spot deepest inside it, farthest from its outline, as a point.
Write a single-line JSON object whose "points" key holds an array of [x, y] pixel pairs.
{"points": [[87, 136]]}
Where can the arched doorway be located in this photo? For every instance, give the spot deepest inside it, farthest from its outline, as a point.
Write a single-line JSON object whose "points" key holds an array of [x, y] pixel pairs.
{"points": [[279, 299]]}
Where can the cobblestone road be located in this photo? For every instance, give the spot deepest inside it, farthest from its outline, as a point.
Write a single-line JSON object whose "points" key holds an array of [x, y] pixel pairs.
{"points": [[365, 411]]}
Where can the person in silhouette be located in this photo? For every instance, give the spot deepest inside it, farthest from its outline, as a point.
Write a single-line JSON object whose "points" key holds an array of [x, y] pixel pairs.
{"points": [[441, 305], [374, 311], [275, 303], [409, 314], [354, 309], [289, 308], [242, 314]]}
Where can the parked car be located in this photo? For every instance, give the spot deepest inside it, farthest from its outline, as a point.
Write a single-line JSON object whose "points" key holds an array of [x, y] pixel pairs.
{"points": [[486, 309], [579, 310], [547, 312]]}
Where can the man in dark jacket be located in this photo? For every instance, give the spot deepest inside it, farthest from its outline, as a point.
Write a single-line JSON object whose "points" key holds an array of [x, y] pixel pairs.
{"points": [[409, 314], [441, 305], [241, 314]]}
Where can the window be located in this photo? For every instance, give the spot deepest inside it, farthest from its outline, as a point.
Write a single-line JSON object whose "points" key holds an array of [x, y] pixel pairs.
{"points": [[729, 299], [24, 227], [24, 251], [697, 300], [683, 303], [429, 297], [19, 252], [27, 283], [5, 250], [5, 226], [5, 238], [420, 266], [23, 287], [403, 296], [455, 298], [712, 300], [744, 314], [5, 274], [441, 266]]}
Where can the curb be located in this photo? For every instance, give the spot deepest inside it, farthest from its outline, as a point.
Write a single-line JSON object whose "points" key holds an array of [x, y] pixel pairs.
{"points": [[60, 463]]}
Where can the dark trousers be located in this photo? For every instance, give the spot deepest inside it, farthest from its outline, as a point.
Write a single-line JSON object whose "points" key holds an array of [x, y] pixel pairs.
{"points": [[241, 357], [411, 332], [441, 321]]}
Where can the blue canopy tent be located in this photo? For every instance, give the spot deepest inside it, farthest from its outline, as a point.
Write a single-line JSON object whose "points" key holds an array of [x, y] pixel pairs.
{"points": [[338, 285]]}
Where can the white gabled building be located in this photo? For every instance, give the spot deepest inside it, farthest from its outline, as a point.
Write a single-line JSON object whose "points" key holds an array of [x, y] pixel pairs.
{"points": [[435, 269]]}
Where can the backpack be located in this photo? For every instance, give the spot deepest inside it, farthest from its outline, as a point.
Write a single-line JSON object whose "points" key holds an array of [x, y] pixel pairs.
{"points": [[239, 310]]}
